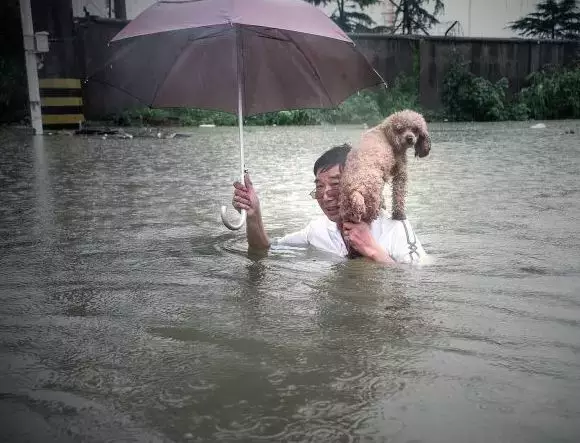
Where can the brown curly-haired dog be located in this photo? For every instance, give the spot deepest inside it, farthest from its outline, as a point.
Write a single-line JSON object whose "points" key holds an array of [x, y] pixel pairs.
{"points": [[381, 154]]}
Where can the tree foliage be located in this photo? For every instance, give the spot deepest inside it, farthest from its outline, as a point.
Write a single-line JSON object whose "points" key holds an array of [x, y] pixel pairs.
{"points": [[553, 19], [412, 17], [349, 14]]}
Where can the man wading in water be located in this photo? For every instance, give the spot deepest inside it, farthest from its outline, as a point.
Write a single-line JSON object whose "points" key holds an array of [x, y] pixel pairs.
{"points": [[384, 240]]}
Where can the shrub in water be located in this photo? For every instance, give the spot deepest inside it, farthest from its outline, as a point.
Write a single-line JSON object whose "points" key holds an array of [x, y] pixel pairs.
{"points": [[402, 94], [553, 93], [468, 97]]}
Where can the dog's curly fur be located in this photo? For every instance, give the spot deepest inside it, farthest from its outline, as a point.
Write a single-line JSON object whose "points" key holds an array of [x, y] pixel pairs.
{"points": [[381, 154]]}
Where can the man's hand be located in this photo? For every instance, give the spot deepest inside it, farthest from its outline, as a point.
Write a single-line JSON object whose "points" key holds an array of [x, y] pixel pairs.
{"points": [[359, 237], [245, 197]]}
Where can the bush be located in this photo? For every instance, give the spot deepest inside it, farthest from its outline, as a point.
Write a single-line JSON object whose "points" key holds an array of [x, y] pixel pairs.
{"points": [[284, 118], [403, 94], [468, 97], [553, 93], [518, 111], [359, 108]]}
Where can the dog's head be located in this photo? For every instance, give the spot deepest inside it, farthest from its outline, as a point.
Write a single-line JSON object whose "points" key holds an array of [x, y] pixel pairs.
{"points": [[408, 129]]}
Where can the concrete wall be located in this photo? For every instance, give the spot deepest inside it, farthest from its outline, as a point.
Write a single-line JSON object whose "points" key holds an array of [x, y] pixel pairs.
{"points": [[93, 36]]}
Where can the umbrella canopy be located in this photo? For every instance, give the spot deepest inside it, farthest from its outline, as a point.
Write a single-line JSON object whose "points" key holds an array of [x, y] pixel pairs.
{"points": [[285, 54], [238, 56]]}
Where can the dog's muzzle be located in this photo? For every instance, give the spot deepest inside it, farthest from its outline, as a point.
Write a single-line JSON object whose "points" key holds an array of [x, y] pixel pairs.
{"points": [[423, 146], [421, 152]]}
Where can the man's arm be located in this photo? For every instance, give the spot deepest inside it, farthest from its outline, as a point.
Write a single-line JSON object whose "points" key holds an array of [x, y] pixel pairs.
{"points": [[245, 197]]}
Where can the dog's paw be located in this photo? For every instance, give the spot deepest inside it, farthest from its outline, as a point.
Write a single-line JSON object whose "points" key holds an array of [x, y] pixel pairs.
{"points": [[357, 202]]}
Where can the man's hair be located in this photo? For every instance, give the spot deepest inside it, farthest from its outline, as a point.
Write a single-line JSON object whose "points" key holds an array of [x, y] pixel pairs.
{"points": [[334, 156]]}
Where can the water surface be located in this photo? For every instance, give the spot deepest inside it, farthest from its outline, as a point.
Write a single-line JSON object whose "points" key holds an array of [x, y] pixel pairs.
{"points": [[128, 312]]}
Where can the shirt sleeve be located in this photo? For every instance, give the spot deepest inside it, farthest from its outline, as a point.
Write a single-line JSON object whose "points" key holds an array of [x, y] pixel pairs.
{"points": [[404, 246], [297, 239]]}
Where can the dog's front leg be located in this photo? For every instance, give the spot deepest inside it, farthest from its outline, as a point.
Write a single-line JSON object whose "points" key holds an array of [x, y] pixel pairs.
{"points": [[399, 191]]}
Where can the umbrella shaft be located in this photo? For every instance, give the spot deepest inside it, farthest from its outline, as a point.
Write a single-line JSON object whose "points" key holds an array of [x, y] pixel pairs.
{"points": [[239, 68], [241, 126]]}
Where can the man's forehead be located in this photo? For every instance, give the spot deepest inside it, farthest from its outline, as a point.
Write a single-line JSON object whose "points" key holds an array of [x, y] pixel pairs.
{"points": [[328, 174]]}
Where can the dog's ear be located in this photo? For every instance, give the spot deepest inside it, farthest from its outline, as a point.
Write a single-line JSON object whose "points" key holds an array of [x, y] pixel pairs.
{"points": [[423, 145]]}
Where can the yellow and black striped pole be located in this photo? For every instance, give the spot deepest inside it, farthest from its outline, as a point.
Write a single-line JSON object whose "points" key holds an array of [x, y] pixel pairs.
{"points": [[62, 103]]}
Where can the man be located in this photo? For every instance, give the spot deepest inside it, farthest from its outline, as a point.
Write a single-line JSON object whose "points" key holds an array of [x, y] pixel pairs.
{"points": [[384, 240]]}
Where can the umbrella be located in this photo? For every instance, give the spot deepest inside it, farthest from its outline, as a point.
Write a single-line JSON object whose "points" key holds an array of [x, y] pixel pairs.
{"points": [[244, 57]]}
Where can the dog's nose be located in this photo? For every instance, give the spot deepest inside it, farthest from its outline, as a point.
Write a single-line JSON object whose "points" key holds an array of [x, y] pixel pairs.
{"points": [[410, 139], [422, 152]]}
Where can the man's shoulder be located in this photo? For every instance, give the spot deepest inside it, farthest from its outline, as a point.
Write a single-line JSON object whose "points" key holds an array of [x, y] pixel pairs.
{"points": [[399, 228], [400, 239], [321, 221], [385, 221], [320, 225]]}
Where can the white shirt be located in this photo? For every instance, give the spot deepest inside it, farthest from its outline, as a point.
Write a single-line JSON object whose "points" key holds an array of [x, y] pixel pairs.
{"points": [[394, 236]]}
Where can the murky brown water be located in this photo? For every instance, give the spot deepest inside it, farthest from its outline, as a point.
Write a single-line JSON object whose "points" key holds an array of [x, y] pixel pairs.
{"points": [[128, 312]]}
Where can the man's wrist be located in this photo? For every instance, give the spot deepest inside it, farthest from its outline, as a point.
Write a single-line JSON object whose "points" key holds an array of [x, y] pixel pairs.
{"points": [[254, 218], [380, 255]]}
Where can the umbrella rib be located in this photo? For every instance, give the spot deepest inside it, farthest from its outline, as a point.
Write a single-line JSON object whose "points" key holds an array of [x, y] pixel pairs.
{"points": [[106, 83], [209, 35], [263, 34], [313, 69]]}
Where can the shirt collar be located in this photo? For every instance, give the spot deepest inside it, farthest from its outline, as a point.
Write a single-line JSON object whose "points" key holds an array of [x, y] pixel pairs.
{"points": [[331, 226]]}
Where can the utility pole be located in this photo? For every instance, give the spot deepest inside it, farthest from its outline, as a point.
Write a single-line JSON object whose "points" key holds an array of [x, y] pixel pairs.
{"points": [[31, 66], [469, 19]]}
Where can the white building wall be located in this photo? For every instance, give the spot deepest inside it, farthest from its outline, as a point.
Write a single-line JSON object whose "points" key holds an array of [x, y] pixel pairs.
{"points": [[477, 18], [484, 18], [101, 8], [135, 7]]}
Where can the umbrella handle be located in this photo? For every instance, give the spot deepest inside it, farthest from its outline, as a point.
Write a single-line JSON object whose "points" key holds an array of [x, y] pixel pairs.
{"points": [[232, 226]]}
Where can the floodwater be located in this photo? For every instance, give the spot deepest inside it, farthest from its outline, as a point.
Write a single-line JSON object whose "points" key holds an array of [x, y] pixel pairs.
{"points": [[128, 312]]}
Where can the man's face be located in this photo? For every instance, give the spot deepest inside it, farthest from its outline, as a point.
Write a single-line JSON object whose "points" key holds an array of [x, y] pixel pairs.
{"points": [[326, 191]]}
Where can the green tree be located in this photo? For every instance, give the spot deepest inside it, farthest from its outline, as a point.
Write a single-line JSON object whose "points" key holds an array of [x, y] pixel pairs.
{"points": [[552, 19], [412, 17], [349, 14]]}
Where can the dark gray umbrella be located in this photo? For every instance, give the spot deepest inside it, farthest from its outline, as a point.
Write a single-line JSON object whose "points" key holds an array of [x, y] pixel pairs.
{"points": [[239, 56]]}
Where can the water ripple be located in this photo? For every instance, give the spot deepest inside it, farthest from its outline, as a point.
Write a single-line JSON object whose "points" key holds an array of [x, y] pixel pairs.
{"points": [[128, 311]]}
